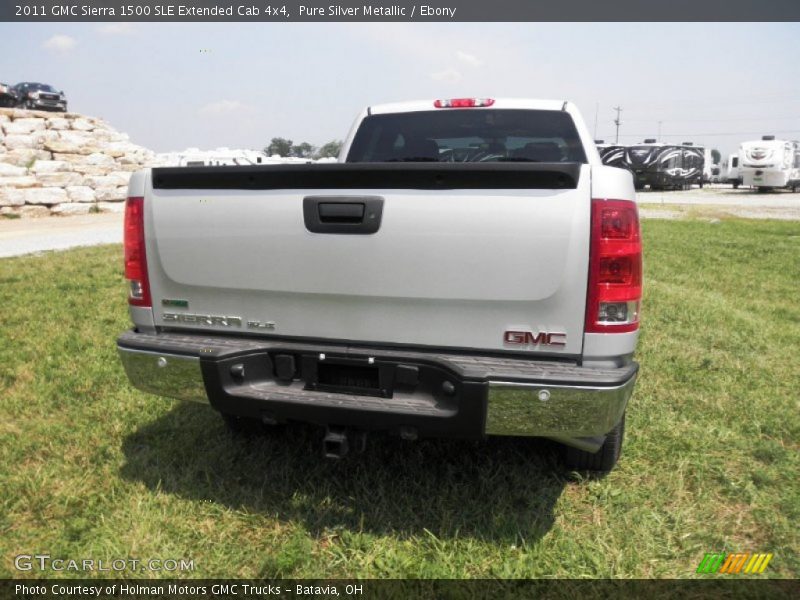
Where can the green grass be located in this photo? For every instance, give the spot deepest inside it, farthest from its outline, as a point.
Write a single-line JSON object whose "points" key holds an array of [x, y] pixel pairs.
{"points": [[91, 468]]}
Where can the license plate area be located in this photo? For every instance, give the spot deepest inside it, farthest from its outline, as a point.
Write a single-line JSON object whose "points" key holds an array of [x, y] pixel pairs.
{"points": [[348, 376]]}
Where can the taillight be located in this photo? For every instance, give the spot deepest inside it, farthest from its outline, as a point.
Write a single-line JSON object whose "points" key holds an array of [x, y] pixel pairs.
{"points": [[135, 258], [464, 103], [615, 268]]}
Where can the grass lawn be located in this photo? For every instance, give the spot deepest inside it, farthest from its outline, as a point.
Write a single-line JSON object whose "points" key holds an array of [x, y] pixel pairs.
{"points": [[91, 468]]}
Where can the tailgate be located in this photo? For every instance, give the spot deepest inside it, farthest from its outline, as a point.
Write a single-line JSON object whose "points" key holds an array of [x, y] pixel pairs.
{"points": [[451, 263]]}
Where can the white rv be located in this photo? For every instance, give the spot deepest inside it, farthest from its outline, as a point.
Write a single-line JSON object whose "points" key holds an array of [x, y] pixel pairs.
{"points": [[712, 169], [193, 157], [731, 172], [769, 164]]}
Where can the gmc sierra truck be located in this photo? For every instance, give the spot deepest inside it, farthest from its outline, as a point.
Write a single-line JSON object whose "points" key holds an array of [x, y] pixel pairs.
{"points": [[468, 268]]}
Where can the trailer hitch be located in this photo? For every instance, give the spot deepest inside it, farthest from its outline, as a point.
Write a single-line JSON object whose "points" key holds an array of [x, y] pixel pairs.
{"points": [[339, 441]]}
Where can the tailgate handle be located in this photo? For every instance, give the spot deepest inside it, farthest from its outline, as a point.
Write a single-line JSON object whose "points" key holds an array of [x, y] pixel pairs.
{"points": [[343, 214]]}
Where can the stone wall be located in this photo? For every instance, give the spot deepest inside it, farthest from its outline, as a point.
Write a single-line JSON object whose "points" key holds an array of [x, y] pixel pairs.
{"points": [[63, 164]]}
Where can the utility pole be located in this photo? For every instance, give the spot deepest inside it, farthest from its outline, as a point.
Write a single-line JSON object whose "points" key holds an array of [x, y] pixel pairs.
{"points": [[596, 110], [617, 122]]}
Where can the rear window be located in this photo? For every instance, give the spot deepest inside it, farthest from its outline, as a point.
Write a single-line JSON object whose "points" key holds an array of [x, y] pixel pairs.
{"points": [[466, 135]]}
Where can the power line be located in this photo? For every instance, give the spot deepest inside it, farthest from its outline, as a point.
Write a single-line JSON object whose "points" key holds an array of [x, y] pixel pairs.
{"points": [[716, 120], [727, 101], [708, 134]]}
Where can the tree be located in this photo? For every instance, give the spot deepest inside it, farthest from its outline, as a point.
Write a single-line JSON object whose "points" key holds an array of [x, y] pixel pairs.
{"points": [[303, 150], [330, 150], [715, 156], [280, 146]]}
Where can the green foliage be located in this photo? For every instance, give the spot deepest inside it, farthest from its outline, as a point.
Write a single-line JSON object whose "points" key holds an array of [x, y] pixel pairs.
{"points": [[284, 147], [280, 146], [330, 149], [303, 150]]}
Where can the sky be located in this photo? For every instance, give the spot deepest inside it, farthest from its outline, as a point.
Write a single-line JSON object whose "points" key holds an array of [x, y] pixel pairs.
{"points": [[206, 85]]}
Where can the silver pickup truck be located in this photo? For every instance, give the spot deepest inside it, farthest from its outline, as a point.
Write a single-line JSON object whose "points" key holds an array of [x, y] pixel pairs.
{"points": [[468, 268]]}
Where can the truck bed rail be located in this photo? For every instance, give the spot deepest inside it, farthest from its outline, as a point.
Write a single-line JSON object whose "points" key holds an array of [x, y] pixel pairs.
{"points": [[400, 175]]}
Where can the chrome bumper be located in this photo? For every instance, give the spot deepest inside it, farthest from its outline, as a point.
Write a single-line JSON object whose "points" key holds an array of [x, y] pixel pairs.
{"points": [[169, 375], [576, 415], [50, 104]]}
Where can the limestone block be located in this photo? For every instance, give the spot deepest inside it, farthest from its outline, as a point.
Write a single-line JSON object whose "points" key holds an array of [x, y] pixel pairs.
{"points": [[11, 197], [25, 181], [61, 179], [50, 195], [71, 208], [51, 166], [80, 193], [7, 170], [82, 124], [115, 207]]}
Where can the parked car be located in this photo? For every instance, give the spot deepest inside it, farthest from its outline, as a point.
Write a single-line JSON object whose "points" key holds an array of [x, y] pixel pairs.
{"points": [[7, 96], [470, 268], [40, 96]]}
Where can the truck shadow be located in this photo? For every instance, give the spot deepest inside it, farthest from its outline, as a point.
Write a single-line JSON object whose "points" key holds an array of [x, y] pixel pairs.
{"points": [[498, 489]]}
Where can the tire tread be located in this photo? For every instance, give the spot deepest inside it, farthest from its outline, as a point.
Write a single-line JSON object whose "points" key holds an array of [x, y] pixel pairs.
{"points": [[604, 460]]}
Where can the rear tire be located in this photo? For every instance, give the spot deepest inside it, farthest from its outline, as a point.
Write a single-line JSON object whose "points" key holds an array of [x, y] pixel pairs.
{"points": [[604, 460]]}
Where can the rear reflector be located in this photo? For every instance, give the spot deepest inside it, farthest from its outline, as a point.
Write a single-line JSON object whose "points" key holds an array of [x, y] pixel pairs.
{"points": [[464, 103], [615, 268], [135, 257]]}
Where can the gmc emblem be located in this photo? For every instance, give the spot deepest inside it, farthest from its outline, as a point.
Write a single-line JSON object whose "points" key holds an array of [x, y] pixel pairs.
{"points": [[542, 338]]}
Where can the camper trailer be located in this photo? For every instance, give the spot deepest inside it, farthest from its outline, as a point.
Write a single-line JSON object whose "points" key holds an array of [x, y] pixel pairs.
{"points": [[712, 166], [665, 166], [731, 171], [194, 157], [769, 164], [612, 155]]}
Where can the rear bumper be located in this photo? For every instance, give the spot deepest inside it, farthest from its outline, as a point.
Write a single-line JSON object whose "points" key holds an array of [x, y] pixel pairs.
{"points": [[431, 394], [764, 177]]}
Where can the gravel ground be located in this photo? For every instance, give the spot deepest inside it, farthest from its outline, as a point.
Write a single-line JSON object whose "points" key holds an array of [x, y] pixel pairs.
{"points": [[719, 201], [723, 195], [26, 236]]}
